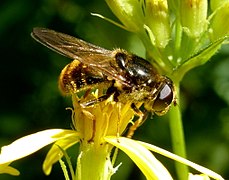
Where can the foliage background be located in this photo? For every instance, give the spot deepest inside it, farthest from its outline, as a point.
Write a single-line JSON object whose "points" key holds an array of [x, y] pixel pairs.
{"points": [[30, 100]]}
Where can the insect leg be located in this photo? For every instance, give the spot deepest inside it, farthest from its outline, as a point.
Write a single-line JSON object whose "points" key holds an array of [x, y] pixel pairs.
{"points": [[142, 117], [94, 101]]}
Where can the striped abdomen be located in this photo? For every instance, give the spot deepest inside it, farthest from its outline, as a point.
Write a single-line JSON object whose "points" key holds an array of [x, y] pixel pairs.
{"points": [[76, 77]]}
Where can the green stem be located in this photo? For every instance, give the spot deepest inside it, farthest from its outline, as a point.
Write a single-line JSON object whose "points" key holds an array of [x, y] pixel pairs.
{"points": [[177, 135], [94, 162]]}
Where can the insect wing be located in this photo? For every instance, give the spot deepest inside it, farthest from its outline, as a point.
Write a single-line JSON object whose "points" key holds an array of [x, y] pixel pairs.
{"points": [[91, 55], [69, 46]]}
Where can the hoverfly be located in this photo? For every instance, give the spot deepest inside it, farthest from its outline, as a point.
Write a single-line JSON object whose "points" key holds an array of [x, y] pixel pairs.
{"points": [[126, 76]]}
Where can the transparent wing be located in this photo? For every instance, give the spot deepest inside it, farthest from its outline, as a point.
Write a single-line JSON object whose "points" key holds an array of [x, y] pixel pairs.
{"points": [[91, 55]]}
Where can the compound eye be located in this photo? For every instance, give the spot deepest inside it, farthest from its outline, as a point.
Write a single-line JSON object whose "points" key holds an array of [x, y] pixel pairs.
{"points": [[164, 99]]}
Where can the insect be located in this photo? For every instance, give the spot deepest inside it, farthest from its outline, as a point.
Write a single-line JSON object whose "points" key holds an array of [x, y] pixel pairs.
{"points": [[124, 75]]}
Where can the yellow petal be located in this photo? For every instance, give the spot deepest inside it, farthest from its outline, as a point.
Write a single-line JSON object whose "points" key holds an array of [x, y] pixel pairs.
{"points": [[5, 168], [198, 177], [29, 144], [181, 160], [55, 153], [143, 158]]}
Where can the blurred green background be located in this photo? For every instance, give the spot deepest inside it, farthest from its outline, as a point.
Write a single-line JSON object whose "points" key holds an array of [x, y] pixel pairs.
{"points": [[30, 100]]}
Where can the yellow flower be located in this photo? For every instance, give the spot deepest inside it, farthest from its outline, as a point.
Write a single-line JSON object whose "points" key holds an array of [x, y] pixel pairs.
{"points": [[97, 130]]}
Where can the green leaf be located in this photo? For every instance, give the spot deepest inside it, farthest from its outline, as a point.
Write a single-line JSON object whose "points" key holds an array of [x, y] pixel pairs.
{"points": [[198, 59]]}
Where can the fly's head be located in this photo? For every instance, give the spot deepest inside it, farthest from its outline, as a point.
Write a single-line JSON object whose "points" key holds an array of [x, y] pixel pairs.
{"points": [[162, 96]]}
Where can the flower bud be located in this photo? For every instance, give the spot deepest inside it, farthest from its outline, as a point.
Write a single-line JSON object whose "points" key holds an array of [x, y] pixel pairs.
{"points": [[216, 4], [194, 17], [157, 19], [129, 12], [219, 25]]}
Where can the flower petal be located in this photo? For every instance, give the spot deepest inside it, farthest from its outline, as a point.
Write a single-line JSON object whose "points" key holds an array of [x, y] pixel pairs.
{"points": [[5, 168], [143, 158], [55, 153], [29, 144], [181, 160], [198, 177]]}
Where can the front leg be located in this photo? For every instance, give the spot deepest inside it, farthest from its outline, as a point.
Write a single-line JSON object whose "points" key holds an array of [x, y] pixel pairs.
{"points": [[142, 117]]}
